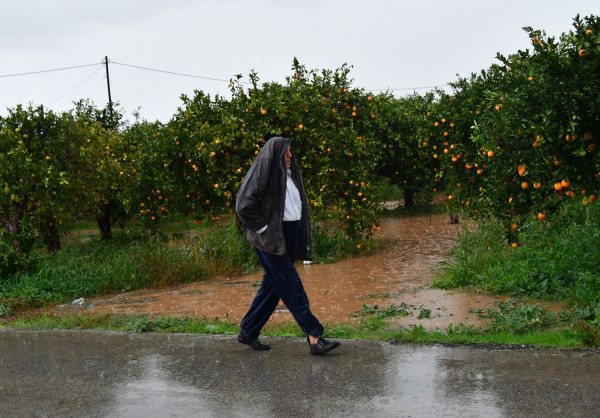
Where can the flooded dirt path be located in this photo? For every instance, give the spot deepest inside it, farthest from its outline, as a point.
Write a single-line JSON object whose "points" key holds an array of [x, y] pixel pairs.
{"points": [[401, 274]]}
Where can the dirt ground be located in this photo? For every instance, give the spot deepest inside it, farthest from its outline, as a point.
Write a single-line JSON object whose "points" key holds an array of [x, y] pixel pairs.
{"points": [[402, 274]]}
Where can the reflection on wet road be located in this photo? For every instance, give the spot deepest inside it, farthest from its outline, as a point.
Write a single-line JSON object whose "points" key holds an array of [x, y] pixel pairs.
{"points": [[105, 374]]}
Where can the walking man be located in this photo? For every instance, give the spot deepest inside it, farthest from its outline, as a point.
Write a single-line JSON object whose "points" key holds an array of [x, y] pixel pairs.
{"points": [[273, 209]]}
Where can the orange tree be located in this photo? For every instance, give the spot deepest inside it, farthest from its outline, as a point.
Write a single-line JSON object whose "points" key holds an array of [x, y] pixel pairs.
{"points": [[149, 154], [329, 121], [534, 123], [203, 145], [47, 171], [450, 122], [110, 159], [400, 131], [333, 127]]}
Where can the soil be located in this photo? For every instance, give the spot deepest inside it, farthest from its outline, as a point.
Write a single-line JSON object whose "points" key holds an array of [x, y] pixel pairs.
{"points": [[401, 274]]}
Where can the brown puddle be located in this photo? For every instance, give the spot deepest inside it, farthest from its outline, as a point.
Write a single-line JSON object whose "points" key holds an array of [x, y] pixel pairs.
{"points": [[400, 274]]}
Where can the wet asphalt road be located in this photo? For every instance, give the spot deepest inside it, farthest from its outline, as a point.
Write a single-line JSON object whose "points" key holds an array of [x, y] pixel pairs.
{"points": [[107, 374]]}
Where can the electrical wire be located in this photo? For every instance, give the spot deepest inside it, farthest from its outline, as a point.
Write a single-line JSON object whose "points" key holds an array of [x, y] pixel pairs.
{"points": [[79, 84], [190, 75], [47, 71], [410, 88], [172, 72]]}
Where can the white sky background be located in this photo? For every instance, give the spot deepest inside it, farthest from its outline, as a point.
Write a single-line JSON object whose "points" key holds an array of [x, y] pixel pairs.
{"points": [[389, 44]]}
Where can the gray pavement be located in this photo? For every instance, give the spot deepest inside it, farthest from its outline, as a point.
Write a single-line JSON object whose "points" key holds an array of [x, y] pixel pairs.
{"points": [[108, 374]]}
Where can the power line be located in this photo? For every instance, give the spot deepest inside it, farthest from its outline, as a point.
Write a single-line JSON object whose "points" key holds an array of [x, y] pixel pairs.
{"points": [[172, 72], [189, 75], [79, 84], [48, 71], [410, 88]]}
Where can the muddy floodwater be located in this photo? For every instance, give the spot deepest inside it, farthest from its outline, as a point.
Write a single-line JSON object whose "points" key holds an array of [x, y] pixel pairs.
{"points": [[401, 274]]}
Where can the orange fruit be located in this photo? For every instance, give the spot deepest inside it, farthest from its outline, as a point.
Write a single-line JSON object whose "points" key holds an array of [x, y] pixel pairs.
{"points": [[537, 185], [490, 153], [525, 185], [558, 186], [583, 52], [514, 227], [530, 78], [514, 245], [541, 216], [593, 198], [564, 184]]}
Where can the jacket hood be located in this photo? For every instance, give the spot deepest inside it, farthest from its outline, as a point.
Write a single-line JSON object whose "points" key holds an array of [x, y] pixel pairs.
{"points": [[275, 147]]}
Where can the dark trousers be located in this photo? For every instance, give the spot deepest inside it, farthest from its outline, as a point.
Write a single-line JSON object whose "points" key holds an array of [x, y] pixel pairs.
{"points": [[281, 281]]}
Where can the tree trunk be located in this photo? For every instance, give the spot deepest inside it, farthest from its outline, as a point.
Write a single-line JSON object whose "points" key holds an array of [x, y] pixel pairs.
{"points": [[103, 220], [409, 198], [12, 226], [50, 235]]}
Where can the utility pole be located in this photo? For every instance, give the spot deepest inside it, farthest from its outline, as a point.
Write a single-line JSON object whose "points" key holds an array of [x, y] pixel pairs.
{"points": [[108, 84]]}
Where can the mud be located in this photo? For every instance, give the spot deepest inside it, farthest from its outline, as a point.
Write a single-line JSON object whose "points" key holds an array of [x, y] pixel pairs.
{"points": [[401, 274]]}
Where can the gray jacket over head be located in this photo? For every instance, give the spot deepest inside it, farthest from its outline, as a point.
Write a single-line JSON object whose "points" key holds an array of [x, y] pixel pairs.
{"points": [[261, 201]]}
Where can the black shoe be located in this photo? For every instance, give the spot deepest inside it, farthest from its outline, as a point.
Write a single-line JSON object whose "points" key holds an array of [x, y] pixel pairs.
{"points": [[322, 346], [253, 343]]}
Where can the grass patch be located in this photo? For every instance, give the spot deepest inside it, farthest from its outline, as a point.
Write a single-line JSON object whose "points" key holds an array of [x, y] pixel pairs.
{"points": [[459, 334], [556, 260]]}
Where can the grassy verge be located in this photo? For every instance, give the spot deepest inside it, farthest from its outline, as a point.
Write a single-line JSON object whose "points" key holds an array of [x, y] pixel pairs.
{"points": [[559, 338], [556, 260]]}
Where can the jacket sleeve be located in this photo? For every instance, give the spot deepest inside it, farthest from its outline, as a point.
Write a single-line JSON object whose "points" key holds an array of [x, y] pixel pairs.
{"points": [[249, 202]]}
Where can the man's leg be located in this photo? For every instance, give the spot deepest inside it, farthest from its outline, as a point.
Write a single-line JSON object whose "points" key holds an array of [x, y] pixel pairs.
{"points": [[283, 277], [261, 309]]}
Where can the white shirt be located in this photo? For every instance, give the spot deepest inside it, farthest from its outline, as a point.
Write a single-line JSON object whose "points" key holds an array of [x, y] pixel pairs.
{"points": [[293, 205]]}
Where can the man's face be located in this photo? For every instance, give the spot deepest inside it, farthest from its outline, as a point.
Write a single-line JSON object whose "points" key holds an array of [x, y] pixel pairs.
{"points": [[288, 157]]}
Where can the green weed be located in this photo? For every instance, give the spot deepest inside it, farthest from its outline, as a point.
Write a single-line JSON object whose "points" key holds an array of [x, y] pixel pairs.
{"points": [[555, 260]]}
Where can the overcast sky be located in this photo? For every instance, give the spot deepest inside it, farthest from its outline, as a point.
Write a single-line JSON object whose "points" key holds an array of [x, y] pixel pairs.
{"points": [[390, 44]]}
